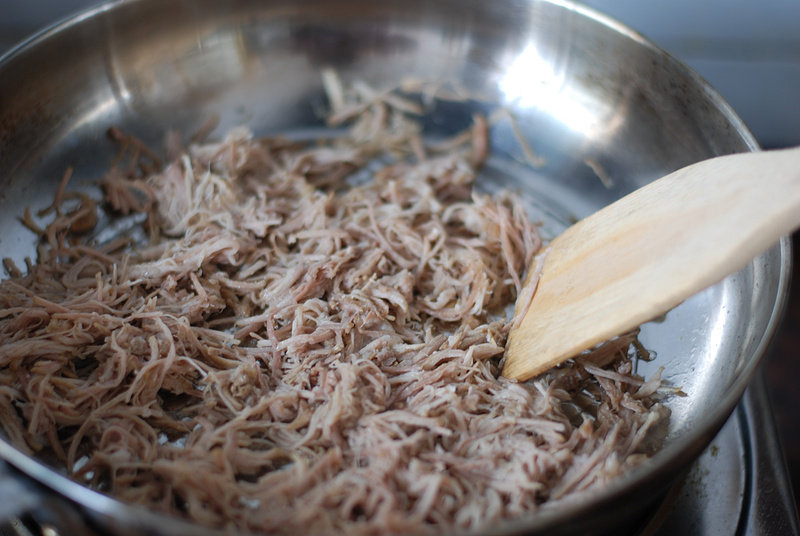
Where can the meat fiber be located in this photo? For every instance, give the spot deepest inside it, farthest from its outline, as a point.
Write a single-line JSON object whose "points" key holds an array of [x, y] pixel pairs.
{"points": [[309, 341]]}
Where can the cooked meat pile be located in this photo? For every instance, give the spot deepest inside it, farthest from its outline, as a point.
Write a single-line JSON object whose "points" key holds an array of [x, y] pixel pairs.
{"points": [[306, 340]]}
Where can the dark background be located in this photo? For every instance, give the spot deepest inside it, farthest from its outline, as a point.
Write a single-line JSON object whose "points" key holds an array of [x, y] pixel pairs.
{"points": [[749, 50]]}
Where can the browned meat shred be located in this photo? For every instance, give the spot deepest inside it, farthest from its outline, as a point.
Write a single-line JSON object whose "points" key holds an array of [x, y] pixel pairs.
{"points": [[298, 352]]}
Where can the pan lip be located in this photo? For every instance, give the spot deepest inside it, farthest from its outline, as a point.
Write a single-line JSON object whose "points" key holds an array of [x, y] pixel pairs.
{"points": [[59, 26], [670, 459]]}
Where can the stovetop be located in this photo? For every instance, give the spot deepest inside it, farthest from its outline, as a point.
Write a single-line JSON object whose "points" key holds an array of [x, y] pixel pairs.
{"points": [[739, 485]]}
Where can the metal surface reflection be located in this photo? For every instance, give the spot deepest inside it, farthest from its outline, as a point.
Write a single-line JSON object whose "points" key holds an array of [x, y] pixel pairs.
{"points": [[533, 82]]}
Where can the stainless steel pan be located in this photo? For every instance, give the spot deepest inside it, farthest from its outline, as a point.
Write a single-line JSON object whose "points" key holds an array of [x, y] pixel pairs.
{"points": [[603, 110]]}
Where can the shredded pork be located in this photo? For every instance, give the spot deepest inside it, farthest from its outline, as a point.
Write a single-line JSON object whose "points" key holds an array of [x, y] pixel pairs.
{"points": [[308, 341]]}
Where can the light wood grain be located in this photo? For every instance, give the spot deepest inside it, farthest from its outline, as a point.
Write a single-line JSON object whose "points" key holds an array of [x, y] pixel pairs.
{"points": [[644, 254]]}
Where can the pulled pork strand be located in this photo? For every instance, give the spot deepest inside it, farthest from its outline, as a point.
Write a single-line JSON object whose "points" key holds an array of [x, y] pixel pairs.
{"points": [[296, 353]]}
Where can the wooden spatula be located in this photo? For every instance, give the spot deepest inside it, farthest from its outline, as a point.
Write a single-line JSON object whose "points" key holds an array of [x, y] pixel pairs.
{"points": [[644, 254]]}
